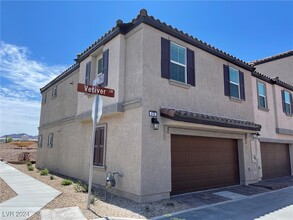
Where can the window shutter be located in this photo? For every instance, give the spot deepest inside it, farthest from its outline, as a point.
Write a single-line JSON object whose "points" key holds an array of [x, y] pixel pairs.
{"points": [[291, 101], [165, 58], [226, 80], [105, 67], [190, 68], [242, 88], [87, 73], [283, 101]]}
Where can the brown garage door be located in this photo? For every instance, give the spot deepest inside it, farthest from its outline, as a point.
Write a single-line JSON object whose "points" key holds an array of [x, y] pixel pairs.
{"points": [[275, 160], [202, 163]]}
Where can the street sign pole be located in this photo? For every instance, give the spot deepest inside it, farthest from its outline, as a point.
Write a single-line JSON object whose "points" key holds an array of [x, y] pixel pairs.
{"points": [[97, 110]]}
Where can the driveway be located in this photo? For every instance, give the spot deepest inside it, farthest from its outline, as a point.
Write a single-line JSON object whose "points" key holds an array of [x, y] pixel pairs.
{"points": [[271, 205]]}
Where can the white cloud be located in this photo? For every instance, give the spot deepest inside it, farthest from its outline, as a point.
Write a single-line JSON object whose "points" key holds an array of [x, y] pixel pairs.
{"points": [[21, 79]]}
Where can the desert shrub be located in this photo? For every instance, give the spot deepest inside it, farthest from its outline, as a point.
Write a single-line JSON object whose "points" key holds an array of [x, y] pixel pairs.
{"points": [[81, 187], [29, 164], [52, 177], [66, 182], [9, 139], [44, 172], [30, 168], [93, 200]]}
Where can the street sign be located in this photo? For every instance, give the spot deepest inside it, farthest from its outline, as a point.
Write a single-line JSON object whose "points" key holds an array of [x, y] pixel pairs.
{"points": [[95, 90]]}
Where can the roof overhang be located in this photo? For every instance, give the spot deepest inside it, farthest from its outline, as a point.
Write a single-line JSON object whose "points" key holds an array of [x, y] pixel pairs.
{"points": [[199, 118]]}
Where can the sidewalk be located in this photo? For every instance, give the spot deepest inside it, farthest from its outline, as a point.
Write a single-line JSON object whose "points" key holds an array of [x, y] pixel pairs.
{"points": [[32, 195]]}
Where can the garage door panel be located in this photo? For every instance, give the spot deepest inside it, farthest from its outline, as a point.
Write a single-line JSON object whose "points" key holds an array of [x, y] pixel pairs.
{"points": [[275, 160], [203, 163]]}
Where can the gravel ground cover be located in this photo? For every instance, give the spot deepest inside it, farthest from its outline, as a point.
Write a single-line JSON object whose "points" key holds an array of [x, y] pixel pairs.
{"points": [[6, 191], [114, 206]]}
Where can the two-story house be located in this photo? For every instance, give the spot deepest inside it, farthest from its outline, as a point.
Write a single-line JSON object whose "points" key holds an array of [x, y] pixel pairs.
{"points": [[204, 135]]}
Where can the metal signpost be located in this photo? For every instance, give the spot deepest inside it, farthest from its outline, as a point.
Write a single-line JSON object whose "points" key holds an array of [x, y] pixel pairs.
{"points": [[97, 109]]}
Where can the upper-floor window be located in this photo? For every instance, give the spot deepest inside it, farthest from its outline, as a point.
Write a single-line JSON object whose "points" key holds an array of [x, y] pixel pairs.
{"points": [[44, 97], [54, 91], [287, 101], [50, 140], [262, 95], [177, 62], [100, 70], [234, 83]]}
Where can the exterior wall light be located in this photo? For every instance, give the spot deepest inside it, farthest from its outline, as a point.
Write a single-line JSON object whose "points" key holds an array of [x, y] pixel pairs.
{"points": [[256, 135], [156, 123]]}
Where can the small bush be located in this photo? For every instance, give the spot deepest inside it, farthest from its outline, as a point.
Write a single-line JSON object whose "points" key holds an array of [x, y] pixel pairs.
{"points": [[30, 168], [29, 164], [81, 187], [44, 172], [93, 200], [52, 177], [66, 182]]}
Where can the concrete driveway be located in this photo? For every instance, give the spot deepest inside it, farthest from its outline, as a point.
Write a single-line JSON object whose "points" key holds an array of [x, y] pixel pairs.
{"points": [[267, 206]]}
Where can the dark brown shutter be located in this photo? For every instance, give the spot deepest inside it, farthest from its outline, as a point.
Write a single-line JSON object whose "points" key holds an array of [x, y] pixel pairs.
{"points": [[226, 80], [165, 58], [283, 101], [105, 67], [99, 147], [242, 88], [190, 68], [87, 73], [291, 100]]}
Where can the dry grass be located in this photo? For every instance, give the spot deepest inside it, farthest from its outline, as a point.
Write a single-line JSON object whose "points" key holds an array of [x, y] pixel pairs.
{"points": [[22, 144]]}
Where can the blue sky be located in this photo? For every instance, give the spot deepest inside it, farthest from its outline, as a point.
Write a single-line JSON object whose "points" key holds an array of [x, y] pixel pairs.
{"points": [[39, 39]]}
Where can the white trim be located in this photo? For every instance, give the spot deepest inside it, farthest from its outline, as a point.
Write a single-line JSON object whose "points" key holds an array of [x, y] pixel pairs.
{"points": [[180, 64]]}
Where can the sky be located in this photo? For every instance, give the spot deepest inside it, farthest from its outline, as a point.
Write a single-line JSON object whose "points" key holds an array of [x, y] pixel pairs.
{"points": [[40, 39]]}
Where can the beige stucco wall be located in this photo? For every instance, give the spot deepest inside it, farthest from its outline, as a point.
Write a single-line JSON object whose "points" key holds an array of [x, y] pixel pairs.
{"points": [[281, 67], [62, 106]]}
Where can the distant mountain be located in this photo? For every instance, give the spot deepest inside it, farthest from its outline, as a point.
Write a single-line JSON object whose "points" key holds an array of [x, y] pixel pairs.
{"points": [[18, 136]]}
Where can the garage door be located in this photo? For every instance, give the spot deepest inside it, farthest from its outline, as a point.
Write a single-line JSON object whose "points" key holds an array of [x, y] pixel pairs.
{"points": [[203, 163], [275, 160]]}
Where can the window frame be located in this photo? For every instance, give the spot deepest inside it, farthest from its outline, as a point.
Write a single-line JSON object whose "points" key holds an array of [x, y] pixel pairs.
{"points": [[54, 91], [265, 95], [40, 140], [44, 98], [98, 73], [177, 63], [103, 165], [290, 112], [50, 140], [234, 83]]}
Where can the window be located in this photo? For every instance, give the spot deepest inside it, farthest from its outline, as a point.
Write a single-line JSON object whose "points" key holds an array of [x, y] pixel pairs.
{"points": [[40, 140], [99, 77], [54, 91], [99, 148], [50, 140], [287, 101], [44, 98], [262, 96], [177, 62], [233, 83]]}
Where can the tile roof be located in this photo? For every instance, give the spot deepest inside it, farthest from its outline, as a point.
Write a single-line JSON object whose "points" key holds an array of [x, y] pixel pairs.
{"points": [[200, 118], [272, 58], [272, 80], [143, 17]]}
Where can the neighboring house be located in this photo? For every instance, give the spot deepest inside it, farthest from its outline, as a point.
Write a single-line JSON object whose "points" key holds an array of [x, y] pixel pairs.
{"points": [[205, 104], [274, 111], [280, 65]]}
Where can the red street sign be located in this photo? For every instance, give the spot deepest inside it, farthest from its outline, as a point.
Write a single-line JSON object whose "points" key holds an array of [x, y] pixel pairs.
{"points": [[95, 90]]}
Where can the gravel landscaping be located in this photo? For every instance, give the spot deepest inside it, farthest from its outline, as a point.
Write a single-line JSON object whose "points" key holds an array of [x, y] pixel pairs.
{"points": [[6, 191], [114, 206]]}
